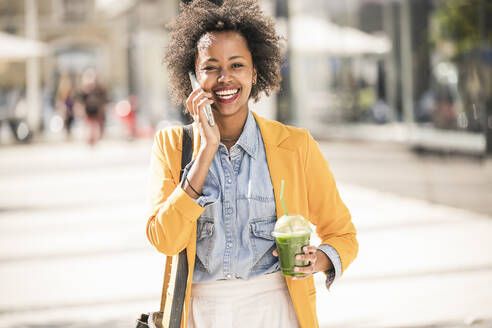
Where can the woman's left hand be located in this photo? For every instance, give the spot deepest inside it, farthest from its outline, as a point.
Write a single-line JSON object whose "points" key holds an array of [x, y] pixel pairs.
{"points": [[318, 261]]}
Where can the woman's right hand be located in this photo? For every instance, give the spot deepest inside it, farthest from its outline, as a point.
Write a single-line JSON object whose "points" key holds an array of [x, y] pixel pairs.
{"points": [[210, 136], [196, 106]]}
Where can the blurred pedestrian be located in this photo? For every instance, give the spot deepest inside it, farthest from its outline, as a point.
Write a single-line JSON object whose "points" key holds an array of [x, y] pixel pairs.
{"points": [[93, 98], [64, 102], [224, 209]]}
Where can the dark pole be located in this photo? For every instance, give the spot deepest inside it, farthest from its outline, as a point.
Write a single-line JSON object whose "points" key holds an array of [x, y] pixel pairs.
{"points": [[284, 96], [485, 95], [132, 18]]}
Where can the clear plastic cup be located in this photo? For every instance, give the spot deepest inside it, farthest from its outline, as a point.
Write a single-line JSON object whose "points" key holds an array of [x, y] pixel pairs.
{"points": [[292, 233]]}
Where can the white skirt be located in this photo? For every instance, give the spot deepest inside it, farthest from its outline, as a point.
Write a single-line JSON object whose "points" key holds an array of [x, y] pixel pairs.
{"points": [[256, 303]]}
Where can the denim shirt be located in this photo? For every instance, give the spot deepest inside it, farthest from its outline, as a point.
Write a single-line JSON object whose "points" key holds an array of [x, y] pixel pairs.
{"points": [[234, 238]]}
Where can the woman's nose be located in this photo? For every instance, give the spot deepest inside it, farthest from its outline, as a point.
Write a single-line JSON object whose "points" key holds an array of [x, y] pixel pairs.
{"points": [[224, 76]]}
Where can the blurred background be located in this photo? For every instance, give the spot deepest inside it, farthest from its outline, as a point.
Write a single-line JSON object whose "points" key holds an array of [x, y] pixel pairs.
{"points": [[398, 94]]}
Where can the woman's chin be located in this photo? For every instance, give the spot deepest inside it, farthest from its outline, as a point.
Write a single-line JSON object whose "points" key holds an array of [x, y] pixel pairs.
{"points": [[227, 110]]}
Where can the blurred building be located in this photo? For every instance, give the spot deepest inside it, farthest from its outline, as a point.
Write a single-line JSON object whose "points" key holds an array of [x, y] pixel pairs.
{"points": [[122, 40], [413, 71], [430, 87]]}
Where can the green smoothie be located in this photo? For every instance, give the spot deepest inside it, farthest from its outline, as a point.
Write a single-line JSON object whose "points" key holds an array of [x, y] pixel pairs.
{"points": [[292, 233], [288, 248]]}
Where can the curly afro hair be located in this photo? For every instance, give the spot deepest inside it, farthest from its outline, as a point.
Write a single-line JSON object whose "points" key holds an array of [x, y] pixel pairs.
{"points": [[199, 17]]}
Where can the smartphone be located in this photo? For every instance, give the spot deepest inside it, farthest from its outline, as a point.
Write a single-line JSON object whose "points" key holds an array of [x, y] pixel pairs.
{"points": [[208, 109]]}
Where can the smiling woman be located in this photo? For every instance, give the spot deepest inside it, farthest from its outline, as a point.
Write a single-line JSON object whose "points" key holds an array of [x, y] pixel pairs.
{"points": [[201, 17], [224, 68], [224, 207]]}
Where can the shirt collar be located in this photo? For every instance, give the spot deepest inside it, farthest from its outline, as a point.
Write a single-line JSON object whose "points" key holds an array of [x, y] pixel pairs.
{"points": [[248, 140], [249, 137]]}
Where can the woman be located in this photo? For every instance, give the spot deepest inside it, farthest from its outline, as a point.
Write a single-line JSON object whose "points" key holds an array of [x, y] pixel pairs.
{"points": [[225, 207], [94, 98]]}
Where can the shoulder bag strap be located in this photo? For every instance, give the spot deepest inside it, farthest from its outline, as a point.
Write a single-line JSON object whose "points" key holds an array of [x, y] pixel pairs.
{"points": [[176, 272]]}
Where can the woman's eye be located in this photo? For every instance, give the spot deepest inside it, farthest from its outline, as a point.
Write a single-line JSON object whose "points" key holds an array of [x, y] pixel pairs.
{"points": [[208, 68], [237, 65]]}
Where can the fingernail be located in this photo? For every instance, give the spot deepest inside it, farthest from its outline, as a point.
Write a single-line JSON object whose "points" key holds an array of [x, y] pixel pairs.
{"points": [[305, 249], [298, 257], [296, 269]]}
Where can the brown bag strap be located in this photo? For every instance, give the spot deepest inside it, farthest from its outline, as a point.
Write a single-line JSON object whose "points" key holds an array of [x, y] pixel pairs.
{"points": [[176, 271]]}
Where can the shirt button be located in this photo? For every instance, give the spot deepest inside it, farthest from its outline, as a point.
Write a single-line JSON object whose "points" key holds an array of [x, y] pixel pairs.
{"points": [[229, 180], [229, 244], [229, 210], [229, 276]]}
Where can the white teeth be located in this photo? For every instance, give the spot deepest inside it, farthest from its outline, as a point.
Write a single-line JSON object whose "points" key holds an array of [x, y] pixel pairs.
{"points": [[227, 92], [227, 97]]}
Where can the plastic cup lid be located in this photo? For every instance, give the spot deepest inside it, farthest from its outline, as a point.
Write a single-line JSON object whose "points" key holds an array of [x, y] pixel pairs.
{"points": [[291, 225]]}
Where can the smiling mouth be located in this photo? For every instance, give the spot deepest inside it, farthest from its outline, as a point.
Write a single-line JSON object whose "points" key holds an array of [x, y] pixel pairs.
{"points": [[227, 96]]}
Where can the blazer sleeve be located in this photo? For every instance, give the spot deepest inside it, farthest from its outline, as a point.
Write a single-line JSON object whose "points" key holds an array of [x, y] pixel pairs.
{"points": [[173, 213], [326, 209]]}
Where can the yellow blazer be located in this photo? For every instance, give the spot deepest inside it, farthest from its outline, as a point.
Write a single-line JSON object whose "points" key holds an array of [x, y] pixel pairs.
{"points": [[293, 155]]}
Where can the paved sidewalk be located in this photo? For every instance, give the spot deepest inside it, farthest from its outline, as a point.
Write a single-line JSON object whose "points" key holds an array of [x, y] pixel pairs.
{"points": [[456, 181], [73, 251], [419, 265]]}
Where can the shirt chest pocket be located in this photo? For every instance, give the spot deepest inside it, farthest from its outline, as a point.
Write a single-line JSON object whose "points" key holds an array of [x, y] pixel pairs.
{"points": [[204, 242], [263, 227], [262, 243], [205, 229], [258, 202]]}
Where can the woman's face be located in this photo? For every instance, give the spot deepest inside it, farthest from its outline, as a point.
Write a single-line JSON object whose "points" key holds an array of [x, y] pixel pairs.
{"points": [[224, 67]]}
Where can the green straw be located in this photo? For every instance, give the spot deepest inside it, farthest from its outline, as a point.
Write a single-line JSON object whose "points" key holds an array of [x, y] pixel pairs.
{"points": [[283, 204], [282, 197]]}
